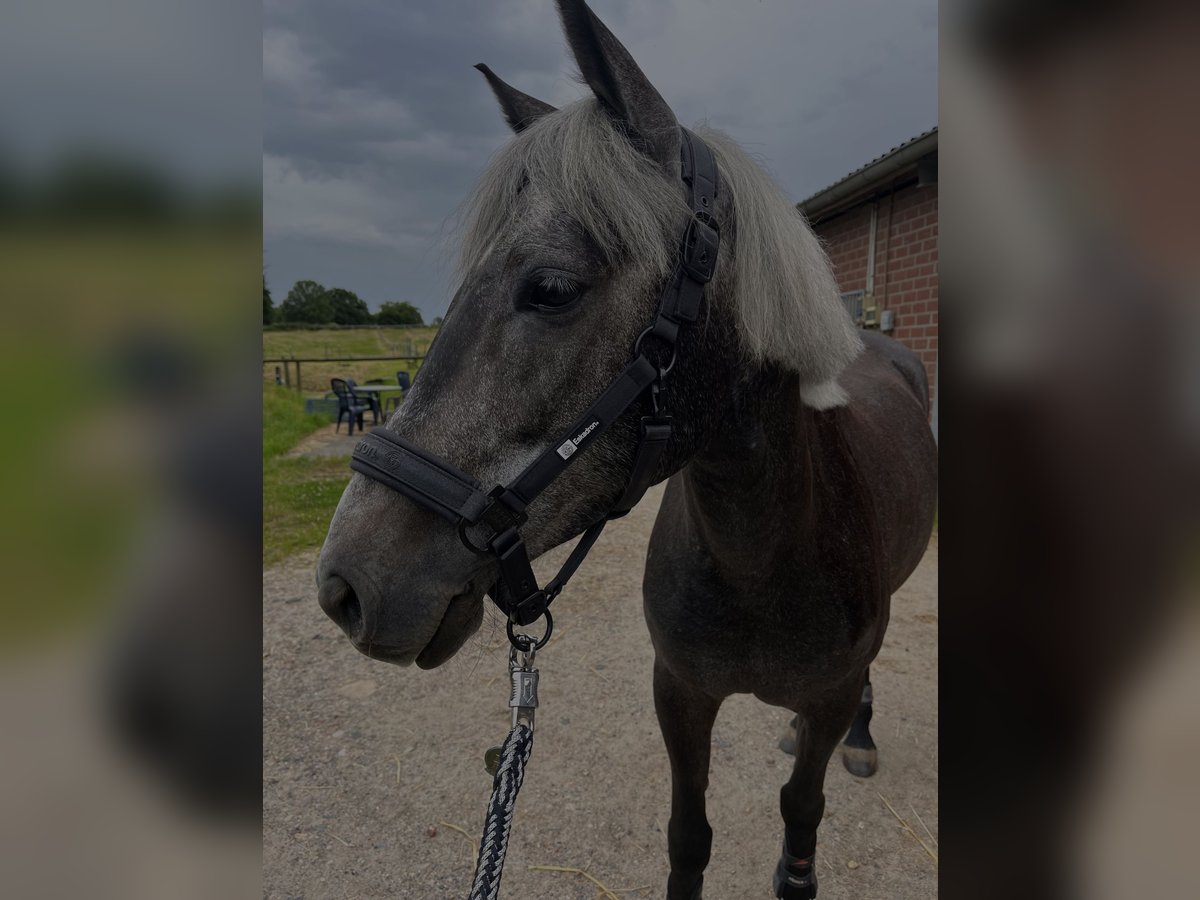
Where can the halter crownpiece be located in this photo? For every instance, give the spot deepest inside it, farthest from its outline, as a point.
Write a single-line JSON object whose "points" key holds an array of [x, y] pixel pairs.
{"points": [[453, 494]]}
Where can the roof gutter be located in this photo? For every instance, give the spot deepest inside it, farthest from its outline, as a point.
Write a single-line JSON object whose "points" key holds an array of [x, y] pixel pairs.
{"points": [[838, 196]]}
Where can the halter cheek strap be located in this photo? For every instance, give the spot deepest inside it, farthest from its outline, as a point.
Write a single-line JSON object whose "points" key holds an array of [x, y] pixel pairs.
{"points": [[489, 522]]}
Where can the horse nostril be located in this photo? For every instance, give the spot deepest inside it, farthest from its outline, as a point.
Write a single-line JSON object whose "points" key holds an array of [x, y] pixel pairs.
{"points": [[341, 604]]}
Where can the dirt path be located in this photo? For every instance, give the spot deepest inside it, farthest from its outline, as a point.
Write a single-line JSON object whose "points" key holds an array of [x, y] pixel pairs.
{"points": [[362, 760], [330, 440]]}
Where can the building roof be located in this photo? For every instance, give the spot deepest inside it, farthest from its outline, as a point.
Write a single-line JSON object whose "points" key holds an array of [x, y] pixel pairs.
{"points": [[869, 175]]}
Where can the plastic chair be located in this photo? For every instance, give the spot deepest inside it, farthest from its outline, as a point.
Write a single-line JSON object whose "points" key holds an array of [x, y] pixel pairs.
{"points": [[350, 405], [371, 397]]}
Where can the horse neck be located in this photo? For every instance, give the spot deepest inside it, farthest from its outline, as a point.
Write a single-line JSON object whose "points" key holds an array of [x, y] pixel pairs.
{"points": [[749, 487]]}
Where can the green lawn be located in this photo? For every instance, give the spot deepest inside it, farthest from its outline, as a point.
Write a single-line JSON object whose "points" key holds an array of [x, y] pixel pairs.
{"points": [[284, 421], [299, 495], [350, 342]]}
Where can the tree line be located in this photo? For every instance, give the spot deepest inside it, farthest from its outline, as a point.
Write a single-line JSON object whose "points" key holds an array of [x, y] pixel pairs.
{"points": [[91, 187], [312, 303]]}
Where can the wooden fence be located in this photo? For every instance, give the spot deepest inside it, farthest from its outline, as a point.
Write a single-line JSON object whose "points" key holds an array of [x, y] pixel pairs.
{"points": [[285, 377]]}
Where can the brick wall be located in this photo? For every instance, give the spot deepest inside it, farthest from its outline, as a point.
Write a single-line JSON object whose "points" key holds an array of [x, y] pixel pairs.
{"points": [[906, 258]]}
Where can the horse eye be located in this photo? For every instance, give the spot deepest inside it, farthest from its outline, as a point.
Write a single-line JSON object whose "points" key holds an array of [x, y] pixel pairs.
{"points": [[552, 292]]}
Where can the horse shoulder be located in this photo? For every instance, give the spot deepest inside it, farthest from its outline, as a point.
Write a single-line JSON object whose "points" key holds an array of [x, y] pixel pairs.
{"points": [[884, 436]]}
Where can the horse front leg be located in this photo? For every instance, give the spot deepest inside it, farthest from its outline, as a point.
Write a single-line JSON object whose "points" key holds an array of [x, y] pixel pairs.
{"points": [[820, 724], [686, 718]]}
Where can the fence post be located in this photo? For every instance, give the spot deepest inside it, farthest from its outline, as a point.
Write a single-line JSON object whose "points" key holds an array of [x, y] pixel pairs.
{"points": [[287, 373], [298, 388]]}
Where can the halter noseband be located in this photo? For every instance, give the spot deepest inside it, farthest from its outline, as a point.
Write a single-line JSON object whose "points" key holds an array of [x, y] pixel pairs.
{"points": [[453, 494]]}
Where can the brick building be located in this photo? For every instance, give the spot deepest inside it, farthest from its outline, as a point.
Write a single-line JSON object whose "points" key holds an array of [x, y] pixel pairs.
{"points": [[880, 228]]}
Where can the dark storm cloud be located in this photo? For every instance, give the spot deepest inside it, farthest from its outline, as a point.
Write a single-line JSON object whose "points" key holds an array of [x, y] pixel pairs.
{"points": [[375, 124], [169, 83]]}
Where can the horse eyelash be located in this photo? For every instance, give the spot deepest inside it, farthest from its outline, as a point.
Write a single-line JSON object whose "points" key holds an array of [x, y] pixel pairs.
{"points": [[559, 284]]}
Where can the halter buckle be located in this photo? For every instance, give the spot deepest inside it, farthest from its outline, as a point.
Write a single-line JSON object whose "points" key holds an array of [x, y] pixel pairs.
{"points": [[464, 536], [701, 242], [529, 610], [500, 514]]}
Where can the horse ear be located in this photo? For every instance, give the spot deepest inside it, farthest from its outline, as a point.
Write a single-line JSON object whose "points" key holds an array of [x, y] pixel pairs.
{"points": [[520, 110], [620, 86]]}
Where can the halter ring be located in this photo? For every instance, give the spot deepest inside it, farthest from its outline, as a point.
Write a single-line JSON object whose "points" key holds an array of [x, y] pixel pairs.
{"points": [[637, 350], [526, 642]]}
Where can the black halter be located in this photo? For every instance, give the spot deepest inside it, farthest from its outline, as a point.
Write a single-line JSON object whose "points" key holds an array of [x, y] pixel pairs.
{"points": [[435, 484]]}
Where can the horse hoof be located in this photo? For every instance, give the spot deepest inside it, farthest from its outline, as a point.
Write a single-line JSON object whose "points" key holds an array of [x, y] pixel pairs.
{"points": [[790, 886], [860, 761]]}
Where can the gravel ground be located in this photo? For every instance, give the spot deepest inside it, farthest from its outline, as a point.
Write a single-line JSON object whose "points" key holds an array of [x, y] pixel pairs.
{"points": [[367, 766]]}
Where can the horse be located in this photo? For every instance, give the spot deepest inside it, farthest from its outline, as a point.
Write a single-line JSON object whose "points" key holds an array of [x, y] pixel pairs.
{"points": [[801, 469]]}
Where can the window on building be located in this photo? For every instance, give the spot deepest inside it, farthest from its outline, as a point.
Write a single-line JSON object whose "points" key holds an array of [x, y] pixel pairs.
{"points": [[854, 305]]}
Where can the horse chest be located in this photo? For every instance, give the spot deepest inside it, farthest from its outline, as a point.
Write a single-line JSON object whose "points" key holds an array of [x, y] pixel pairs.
{"points": [[785, 630]]}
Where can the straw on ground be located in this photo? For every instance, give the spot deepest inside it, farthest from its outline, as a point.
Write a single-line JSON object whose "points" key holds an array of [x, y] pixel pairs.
{"points": [[908, 827], [470, 840]]}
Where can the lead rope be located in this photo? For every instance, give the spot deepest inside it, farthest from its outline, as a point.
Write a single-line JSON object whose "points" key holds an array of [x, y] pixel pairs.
{"points": [[507, 763], [498, 824]]}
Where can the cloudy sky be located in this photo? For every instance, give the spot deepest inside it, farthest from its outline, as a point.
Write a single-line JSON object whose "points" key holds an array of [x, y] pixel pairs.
{"points": [[376, 124]]}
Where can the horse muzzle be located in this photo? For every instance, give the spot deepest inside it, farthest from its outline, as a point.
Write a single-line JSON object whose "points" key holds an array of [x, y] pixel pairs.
{"points": [[371, 622]]}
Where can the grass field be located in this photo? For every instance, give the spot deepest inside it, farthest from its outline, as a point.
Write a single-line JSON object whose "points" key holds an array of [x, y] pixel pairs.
{"points": [[351, 342], [79, 491], [299, 495]]}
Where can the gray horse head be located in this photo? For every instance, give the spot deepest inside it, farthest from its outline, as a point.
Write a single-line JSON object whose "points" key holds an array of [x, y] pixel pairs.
{"points": [[570, 235]]}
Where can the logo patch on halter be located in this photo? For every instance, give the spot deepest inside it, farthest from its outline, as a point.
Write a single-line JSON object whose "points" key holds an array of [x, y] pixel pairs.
{"points": [[572, 444]]}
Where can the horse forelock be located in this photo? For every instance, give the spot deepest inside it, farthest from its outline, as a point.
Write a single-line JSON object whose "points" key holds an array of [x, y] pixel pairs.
{"points": [[773, 272], [579, 163]]}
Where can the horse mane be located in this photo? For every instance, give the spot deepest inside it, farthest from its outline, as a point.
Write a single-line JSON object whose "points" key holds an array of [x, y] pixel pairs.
{"points": [[789, 306], [772, 268]]}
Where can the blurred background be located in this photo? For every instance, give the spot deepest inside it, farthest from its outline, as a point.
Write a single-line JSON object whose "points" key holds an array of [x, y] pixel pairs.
{"points": [[130, 434], [1071, 633], [130, 242]]}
